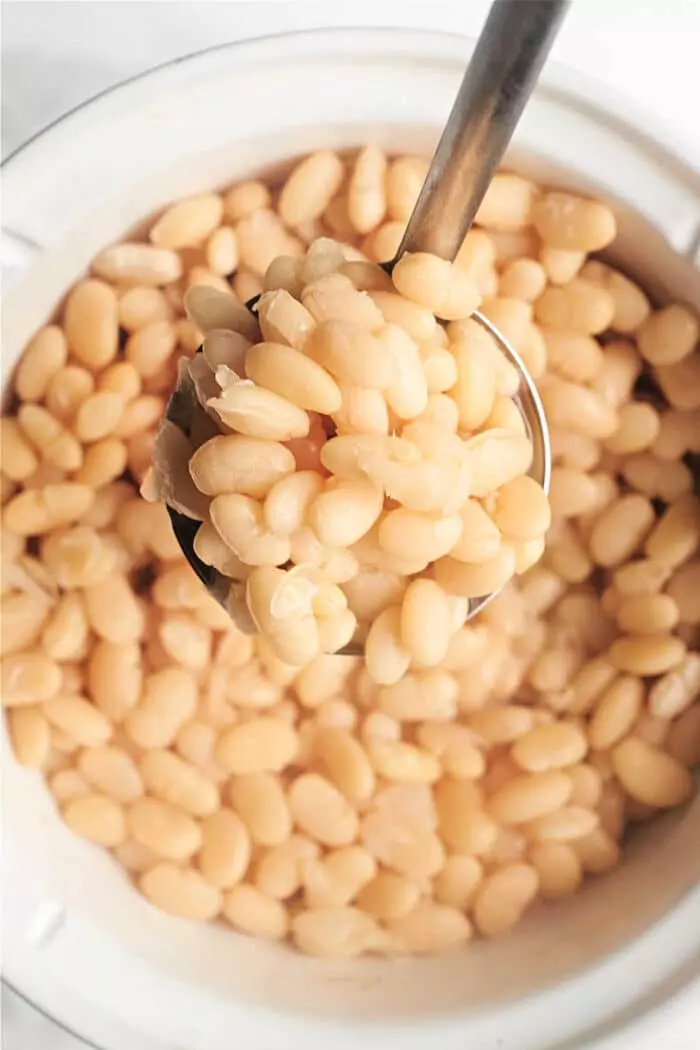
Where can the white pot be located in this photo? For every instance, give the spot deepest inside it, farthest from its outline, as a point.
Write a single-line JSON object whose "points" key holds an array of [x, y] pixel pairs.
{"points": [[78, 940]]}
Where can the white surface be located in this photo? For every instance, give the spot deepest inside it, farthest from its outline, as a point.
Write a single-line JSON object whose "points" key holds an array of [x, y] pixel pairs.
{"points": [[108, 68]]}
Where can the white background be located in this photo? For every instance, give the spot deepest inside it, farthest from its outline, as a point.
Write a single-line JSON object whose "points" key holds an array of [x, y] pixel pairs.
{"points": [[55, 55]]}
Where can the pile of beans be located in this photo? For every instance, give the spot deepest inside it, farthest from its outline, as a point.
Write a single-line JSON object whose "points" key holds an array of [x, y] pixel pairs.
{"points": [[317, 803], [365, 435]]}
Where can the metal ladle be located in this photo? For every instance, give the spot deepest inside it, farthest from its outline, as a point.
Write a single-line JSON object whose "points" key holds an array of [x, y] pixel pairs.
{"points": [[510, 52]]}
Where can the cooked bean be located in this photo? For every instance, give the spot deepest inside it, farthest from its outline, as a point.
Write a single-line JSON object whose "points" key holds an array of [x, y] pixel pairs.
{"points": [[91, 324], [552, 746], [97, 818], [250, 910], [649, 775], [30, 736], [181, 892], [621, 529], [260, 802], [436, 284], [503, 897], [647, 654]]}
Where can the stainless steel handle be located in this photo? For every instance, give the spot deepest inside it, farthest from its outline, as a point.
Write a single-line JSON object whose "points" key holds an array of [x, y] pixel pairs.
{"points": [[509, 54]]}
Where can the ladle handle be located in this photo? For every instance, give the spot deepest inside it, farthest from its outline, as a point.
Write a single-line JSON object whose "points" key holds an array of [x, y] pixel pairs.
{"points": [[509, 54]]}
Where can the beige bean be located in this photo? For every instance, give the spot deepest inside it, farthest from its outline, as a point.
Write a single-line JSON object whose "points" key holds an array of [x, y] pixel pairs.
{"points": [[36, 511], [522, 509], [495, 457], [19, 460], [322, 679], [279, 871], [436, 284], [548, 747], [563, 825], [417, 321], [260, 413], [96, 817], [455, 746], [616, 712], [431, 928], [507, 203], [260, 802], [263, 744], [389, 895], [91, 324], [367, 196], [647, 614], [680, 382], [638, 428], [481, 539], [113, 610], [558, 869], [251, 911], [169, 699], [464, 826], [575, 357], [581, 409], [188, 222], [345, 511], [226, 849], [173, 780], [44, 356], [114, 675], [143, 305], [457, 883], [76, 717], [29, 678], [403, 843], [56, 443], [289, 373], [684, 589], [524, 798], [523, 279], [233, 463], [310, 187], [386, 659], [345, 762], [404, 180], [641, 577], [283, 320], [287, 502], [321, 811], [425, 621], [335, 933], [561, 264], [164, 829], [351, 354], [245, 198], [503, 897], [239, 521], [103, 463], [30, 736], [673, 694], [573, 223], [476, 580], [676, 536], [338, 878], [649, 775], [181, 892], [668, 335], [620, 530], [647, 654], [112, 771], [683, 741]]}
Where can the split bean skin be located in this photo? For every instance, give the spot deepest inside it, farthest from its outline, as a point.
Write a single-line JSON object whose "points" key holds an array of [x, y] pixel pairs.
{"points": [[361, 470]]}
